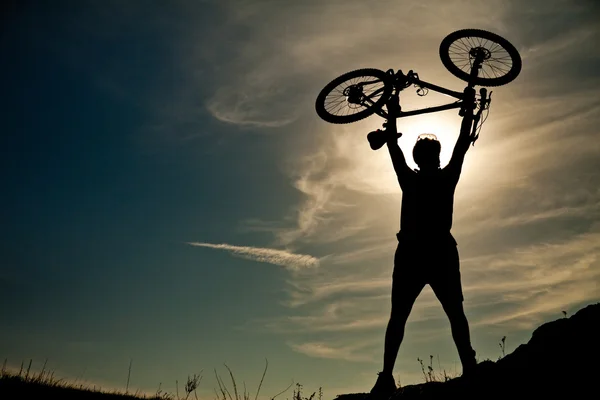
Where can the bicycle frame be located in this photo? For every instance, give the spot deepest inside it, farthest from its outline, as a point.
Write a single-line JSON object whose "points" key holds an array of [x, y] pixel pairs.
{"points": [[413, 79], [401, 82]]}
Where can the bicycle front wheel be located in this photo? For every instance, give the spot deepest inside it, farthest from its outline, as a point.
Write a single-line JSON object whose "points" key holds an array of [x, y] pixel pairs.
{"points": [[354, 96], [501, 65]]}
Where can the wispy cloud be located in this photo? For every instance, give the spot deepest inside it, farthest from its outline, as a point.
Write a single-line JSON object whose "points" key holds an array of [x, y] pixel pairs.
{"points": [[330, 287], [237, 107], [283, 258], [353, 352]]}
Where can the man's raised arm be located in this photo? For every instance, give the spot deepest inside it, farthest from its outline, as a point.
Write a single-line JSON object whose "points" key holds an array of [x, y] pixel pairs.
{"points": [[403, 171], [464, 138]]}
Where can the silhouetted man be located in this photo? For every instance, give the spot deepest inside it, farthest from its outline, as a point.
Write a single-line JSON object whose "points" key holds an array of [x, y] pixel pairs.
{"points": [[427, 252]]}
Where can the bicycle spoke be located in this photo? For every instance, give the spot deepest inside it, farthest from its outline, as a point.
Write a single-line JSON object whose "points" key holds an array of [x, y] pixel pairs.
{"points": [[336, 99], [496, 45], [493, 70], [372, 82], [469, 45], [502, 59], [471, 41], [335, 110], [340, 96], [376, 91], [341, 106], [462, 66], [337, 106], [502, 67], [484, 70], [504, 71], [483, 44], [328, 106], [460, 49], [502, 62], [465, 46], [454, 55], [460, 52], [459, 58], [462, 63]]}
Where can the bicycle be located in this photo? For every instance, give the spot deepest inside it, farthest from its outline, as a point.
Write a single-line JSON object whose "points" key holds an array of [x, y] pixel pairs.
{"points": [[476, 56]]}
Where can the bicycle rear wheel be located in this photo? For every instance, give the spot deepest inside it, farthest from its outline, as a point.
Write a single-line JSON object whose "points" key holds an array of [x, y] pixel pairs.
{"points": [[501, 65], [353, 96]]}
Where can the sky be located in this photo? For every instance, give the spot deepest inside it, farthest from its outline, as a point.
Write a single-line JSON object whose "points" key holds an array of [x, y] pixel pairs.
{"points": [[170, 198]]}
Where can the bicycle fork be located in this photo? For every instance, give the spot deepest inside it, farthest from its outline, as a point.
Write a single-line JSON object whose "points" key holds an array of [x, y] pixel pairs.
{"points": [[479, 56], [484, 103]]}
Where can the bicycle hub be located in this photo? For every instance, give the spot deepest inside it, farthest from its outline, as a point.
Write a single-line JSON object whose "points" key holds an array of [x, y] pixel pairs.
{"points": [[354, 94], [480, 53]]}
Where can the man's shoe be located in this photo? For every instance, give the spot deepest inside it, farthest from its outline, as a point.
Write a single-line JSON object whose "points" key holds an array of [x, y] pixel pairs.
{"points": [[469, 367], [384, 387]]}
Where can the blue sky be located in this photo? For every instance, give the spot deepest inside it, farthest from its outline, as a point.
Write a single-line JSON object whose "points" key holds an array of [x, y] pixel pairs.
{"points": [[171, 197]]}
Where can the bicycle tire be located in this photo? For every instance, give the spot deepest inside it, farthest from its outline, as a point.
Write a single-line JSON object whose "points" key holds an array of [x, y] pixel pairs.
{"points": [[477, 36], [327, 115]]}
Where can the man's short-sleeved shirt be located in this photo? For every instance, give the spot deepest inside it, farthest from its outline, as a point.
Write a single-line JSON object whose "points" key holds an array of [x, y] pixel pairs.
{"points": [[428, 202]]}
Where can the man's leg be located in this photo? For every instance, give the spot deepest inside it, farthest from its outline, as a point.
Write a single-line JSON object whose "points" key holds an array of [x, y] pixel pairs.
{"points": [[404, 294], [406, 287], [461, 334], [448, 289]]}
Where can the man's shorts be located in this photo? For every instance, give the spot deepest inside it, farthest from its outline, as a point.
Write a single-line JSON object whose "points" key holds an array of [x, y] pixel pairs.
{"points": [[421, 262]]}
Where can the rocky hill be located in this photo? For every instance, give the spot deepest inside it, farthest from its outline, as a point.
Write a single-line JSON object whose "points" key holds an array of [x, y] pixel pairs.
{"points": [[562, 358]]}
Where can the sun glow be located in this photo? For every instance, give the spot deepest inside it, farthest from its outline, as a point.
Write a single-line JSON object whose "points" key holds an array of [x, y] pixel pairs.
{"points": [[441, 125], [372, 170], [353, 165]]}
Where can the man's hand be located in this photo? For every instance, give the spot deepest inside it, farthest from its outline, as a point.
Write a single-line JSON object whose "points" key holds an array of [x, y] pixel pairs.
{"points": [[393, 109], [467, 114], [469, 101], [393, 106]]}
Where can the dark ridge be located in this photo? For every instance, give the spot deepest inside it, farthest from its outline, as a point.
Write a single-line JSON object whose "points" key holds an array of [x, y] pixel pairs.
{"points": [[560, 360]]}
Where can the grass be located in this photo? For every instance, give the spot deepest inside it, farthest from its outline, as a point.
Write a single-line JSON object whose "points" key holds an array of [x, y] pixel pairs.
{"points": [[27, 384], [502, 345], [430, 375], [44, 382]]}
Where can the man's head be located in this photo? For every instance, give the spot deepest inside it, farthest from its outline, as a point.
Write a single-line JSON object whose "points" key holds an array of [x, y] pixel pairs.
{"points": [[426, 152]]}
